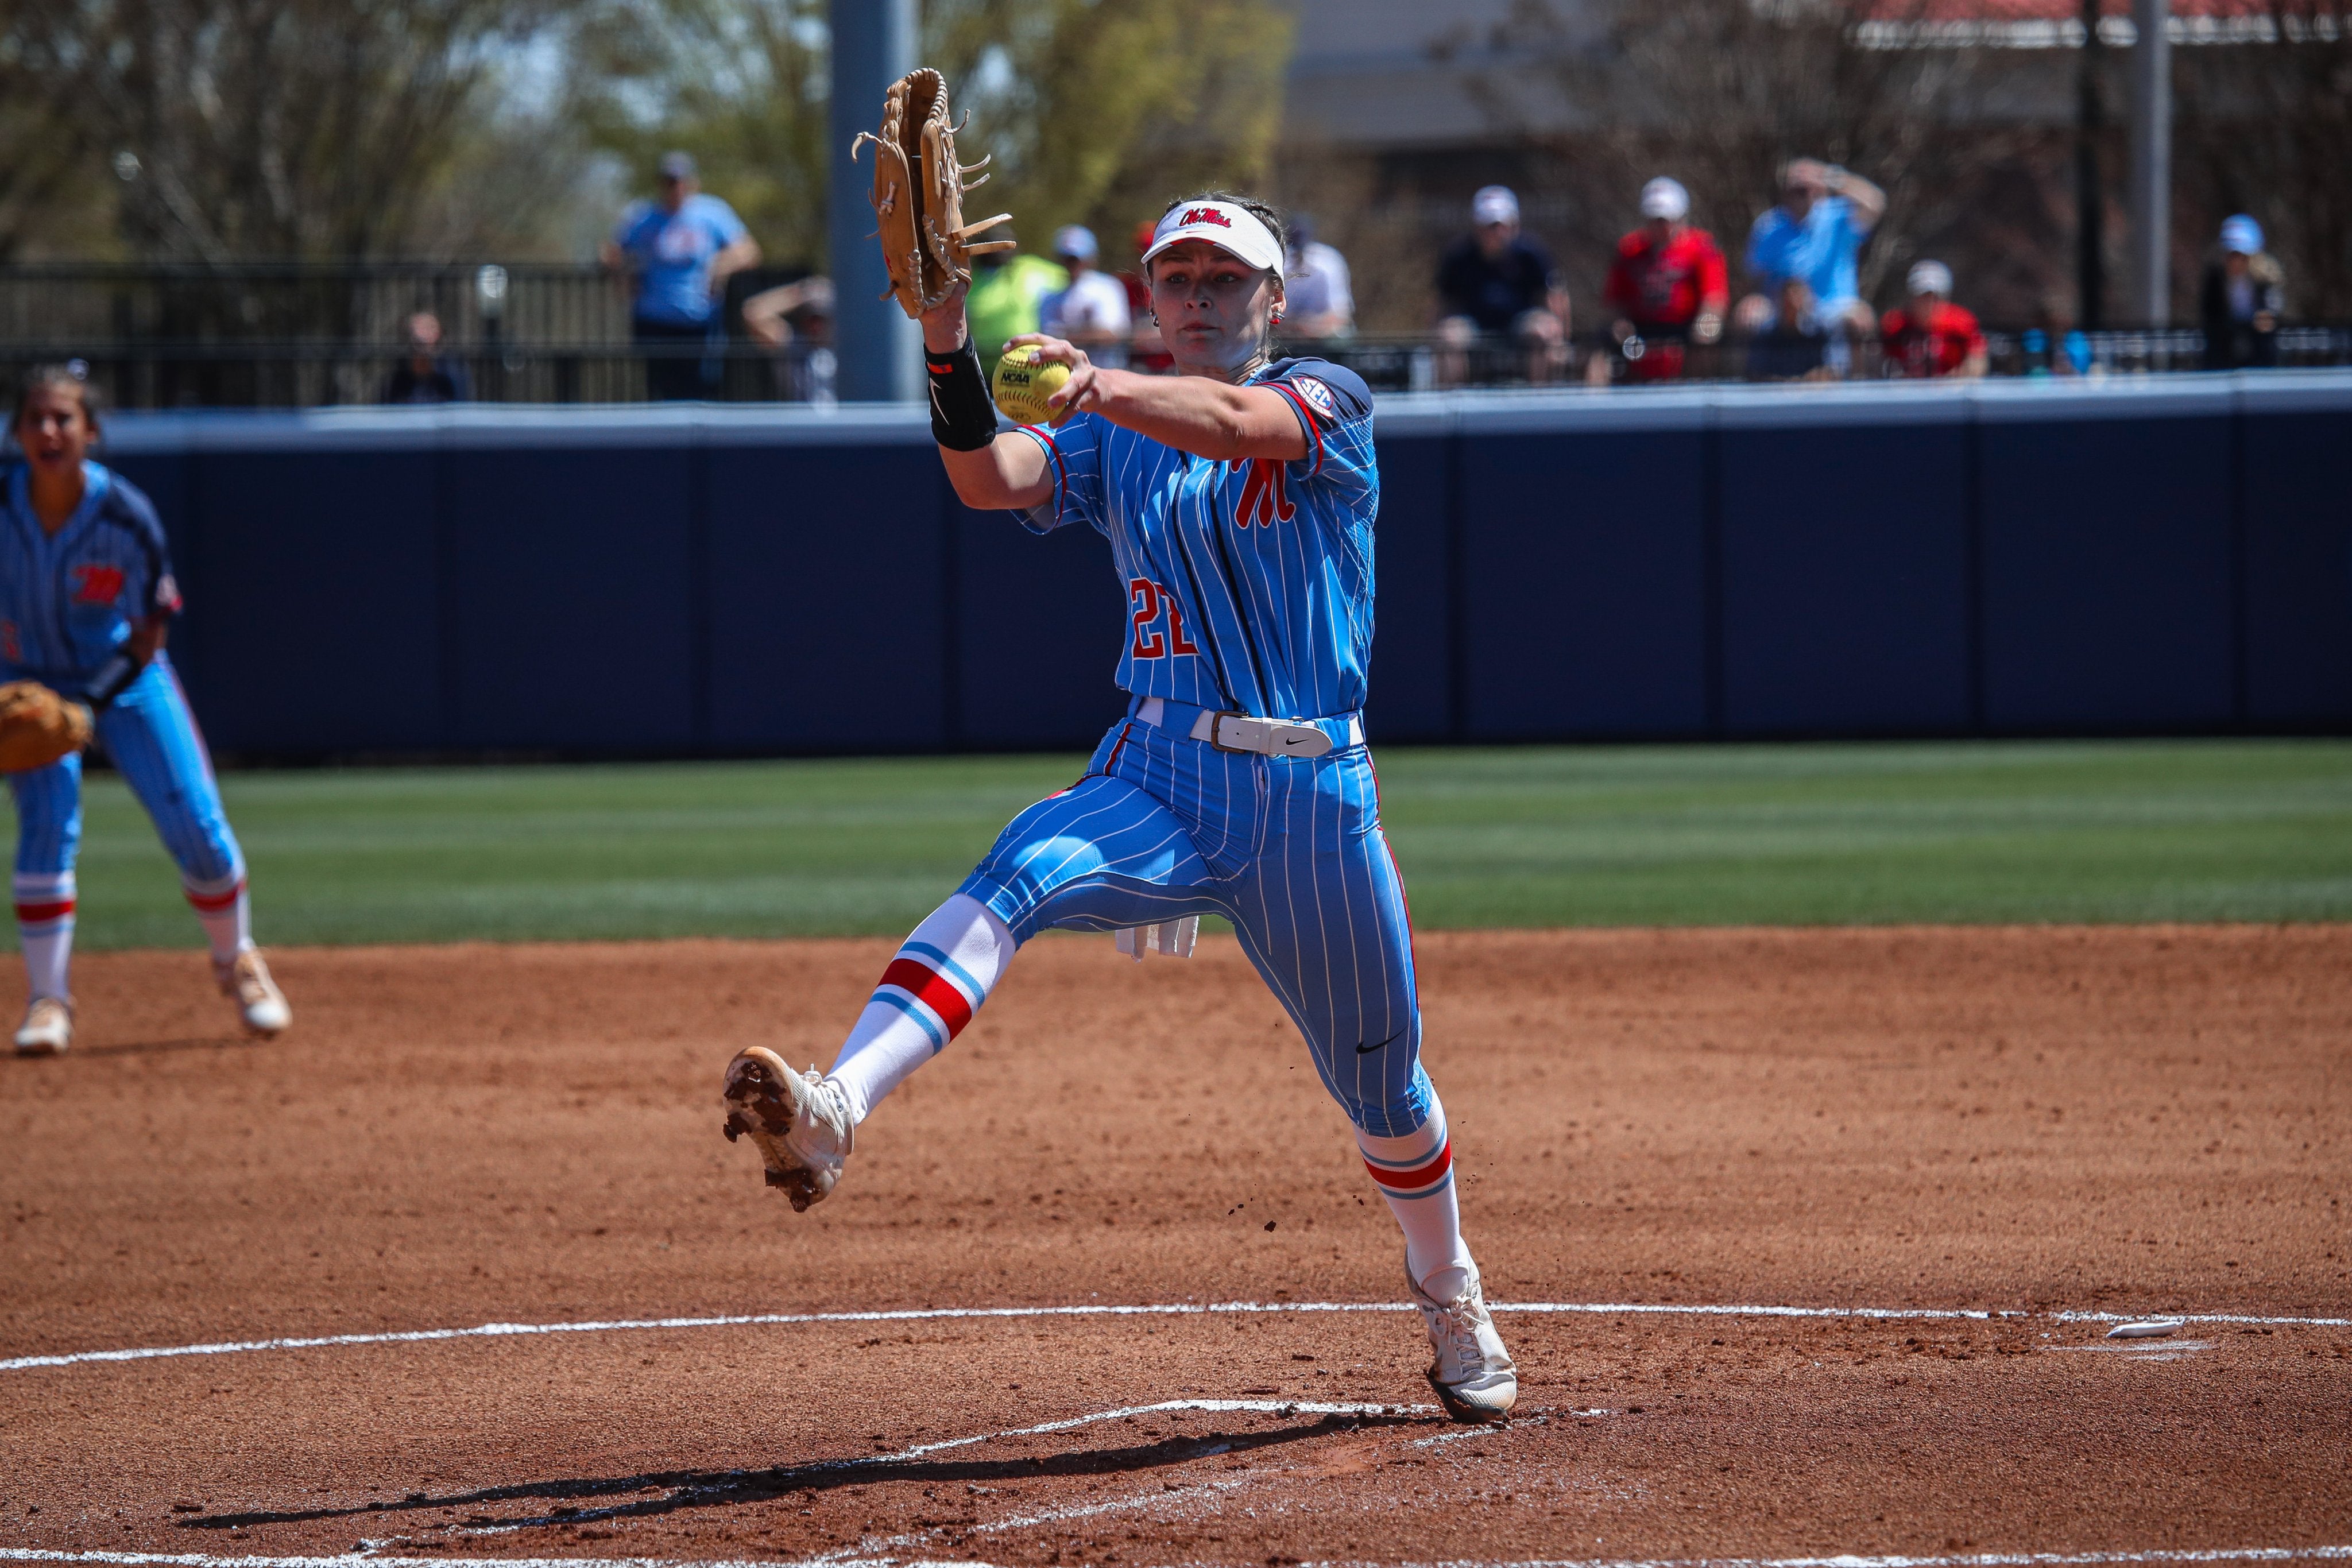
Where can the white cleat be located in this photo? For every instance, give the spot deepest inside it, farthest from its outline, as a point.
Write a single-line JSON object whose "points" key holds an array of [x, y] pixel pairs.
{"points": [[48, 1029], [1474, 1376], [800, 1123], [260, 1002]]}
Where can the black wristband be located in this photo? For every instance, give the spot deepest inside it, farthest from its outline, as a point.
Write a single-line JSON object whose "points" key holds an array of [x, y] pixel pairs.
{"points": [[112, 676], [963, 417]]}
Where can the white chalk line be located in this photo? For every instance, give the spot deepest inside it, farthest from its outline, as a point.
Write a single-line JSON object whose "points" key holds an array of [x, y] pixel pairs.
{"points": [[1182, 1309], [1968, 1560], [876, 1554]]}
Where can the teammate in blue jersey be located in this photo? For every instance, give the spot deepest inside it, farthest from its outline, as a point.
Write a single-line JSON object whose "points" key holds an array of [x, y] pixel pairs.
{"points": [[86, 597], [1239, 497]]}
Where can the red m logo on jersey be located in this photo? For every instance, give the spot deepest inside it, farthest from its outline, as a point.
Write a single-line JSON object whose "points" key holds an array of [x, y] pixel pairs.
{"points": [[96, 584], [1265, 495], [1204, 215]]}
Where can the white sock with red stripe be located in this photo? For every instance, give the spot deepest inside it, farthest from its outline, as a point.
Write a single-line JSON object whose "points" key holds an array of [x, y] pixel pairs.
{"points": [[929, 993], [45, 927], [225, 913], [1415, 1174]]}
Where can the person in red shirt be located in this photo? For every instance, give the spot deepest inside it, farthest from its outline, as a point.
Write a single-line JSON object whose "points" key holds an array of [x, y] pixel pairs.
{"points": [[1931, 335], [1669, 286]]}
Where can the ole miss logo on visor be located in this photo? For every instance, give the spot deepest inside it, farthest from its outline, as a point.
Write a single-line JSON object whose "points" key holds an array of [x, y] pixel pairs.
{"points": [[1204, 215], [95, 584]]}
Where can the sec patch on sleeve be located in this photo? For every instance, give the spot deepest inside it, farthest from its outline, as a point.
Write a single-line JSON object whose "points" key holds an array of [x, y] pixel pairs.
{"points": [[1316, 396]]}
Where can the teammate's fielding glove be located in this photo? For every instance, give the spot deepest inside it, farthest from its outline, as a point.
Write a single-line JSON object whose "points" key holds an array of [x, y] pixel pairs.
{"points": [[38, 727], [918, 195]]}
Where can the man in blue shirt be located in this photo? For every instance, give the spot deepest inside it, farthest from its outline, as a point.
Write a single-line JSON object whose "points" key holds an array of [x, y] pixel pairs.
{"points": [[683, 247], [1826, 213]]}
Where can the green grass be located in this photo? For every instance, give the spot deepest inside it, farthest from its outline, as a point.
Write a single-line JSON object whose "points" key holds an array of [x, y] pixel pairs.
{"points": [[1556, 836]]}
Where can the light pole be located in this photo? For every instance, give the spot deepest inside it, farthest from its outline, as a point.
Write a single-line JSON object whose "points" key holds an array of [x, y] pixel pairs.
{"points": [[2151, 163], [878, 349], [2089, 196]]}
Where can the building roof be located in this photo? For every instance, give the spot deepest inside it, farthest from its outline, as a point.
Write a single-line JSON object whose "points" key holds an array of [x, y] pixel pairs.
{"points": [[1420, 73]]}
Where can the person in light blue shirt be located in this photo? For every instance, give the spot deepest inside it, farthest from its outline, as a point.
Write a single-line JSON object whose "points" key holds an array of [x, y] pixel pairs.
{"points": [[1826, 213], [682, 248]]}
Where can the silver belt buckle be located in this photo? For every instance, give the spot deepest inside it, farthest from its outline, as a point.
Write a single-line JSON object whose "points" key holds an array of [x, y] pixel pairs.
{"points": [[1217, 722]]}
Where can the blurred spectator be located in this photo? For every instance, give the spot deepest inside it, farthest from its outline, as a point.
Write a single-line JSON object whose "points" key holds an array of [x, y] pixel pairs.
{"points": [[1008, 291], [1317, 301], [1670, 286], [1792, 345], [424, 376], [2053, 346], [1931, 335], [2243, 298], [1146, 349], [682, 247], [1090, 310], [795, 319], [1826, 213], [1496, 282]]}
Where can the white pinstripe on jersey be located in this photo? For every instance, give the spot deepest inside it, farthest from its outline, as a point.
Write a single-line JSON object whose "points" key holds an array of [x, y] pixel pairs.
{"points": [[1290, 849], [1249, 585], [67, 599]]}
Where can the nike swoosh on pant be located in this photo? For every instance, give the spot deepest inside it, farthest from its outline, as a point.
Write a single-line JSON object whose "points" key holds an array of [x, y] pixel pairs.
{"points": [[1368, 1050]]}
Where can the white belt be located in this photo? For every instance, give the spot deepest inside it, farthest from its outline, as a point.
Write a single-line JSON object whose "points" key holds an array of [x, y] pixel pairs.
{"points": [[1266, 737]]}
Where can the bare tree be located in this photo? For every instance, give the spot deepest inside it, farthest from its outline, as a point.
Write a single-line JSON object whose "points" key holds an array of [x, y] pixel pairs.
{"points": [[51, 189], [742, 84], [2264, 126], [1092, 113], [1721, 93], [1104, 113], [271, 128]]}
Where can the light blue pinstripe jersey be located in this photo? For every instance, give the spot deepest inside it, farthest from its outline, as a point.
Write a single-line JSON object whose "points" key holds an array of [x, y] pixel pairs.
{"points": [[1249, 585], [68, 600]]}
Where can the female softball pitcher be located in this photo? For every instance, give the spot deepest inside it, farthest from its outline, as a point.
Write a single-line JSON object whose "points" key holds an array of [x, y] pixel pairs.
{"points": [[86, 596], [1238, 497]]}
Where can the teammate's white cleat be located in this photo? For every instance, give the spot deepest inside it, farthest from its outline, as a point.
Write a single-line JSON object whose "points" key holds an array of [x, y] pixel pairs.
{"points": [[1474, 1376], [48, 1028], [245, 979], [800, 1123]]}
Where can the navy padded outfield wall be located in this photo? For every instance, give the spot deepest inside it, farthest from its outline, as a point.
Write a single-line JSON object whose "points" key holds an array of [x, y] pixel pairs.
{"points": [[2158, 556]]}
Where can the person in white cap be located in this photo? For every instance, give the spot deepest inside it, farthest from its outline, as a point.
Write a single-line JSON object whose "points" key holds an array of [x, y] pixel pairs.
{"points": [[1238, 497], [1495, 283], [1091, 311], [1929, 335], [2244, 296], [1670, 286]]}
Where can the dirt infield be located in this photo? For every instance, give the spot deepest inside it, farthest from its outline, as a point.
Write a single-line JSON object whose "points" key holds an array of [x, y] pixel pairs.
{"points": [[2023, 1122]]}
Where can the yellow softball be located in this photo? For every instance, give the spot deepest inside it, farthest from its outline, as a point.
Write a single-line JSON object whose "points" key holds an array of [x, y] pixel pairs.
{"points": [[1022, 385]]}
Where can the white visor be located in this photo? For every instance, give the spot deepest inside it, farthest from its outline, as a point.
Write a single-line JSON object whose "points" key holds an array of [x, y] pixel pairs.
{"points": [[1232, 229]]}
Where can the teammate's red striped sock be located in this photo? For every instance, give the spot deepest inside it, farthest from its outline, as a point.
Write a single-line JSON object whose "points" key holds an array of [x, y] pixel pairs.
{"points": [[44, 929], [1415, 1175], [926, 995]]}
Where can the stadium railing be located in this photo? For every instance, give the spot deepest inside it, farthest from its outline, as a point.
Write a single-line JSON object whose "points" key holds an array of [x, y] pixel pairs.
{"points": [[306, 335]]}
